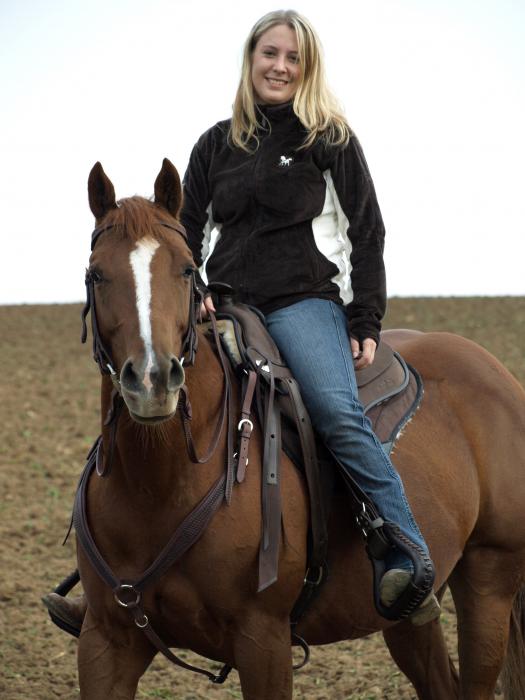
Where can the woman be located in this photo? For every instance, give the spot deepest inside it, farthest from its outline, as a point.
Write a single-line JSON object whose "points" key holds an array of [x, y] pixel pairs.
{"points": [[301, 237]]}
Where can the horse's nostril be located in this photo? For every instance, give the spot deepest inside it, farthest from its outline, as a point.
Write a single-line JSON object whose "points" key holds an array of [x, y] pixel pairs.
{"points": [[128, 377], [176, 378]]}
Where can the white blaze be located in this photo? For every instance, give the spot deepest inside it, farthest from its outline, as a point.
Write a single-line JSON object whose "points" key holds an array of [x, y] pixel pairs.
{"points": [[140, 261]]}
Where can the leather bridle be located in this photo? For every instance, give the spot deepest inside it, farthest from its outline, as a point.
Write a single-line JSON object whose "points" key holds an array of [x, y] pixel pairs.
{"points": [[100, 354]]}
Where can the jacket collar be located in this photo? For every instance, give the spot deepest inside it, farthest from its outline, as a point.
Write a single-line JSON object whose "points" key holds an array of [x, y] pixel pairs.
{"points": [[276, 113]]}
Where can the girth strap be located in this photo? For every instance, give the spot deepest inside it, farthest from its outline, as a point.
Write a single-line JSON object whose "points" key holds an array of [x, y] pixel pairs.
{"points": [[271, 489]]}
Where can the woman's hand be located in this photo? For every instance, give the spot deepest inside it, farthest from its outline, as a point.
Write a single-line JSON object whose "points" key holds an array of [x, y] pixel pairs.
{"points": [[363, 358], [207, 305]]}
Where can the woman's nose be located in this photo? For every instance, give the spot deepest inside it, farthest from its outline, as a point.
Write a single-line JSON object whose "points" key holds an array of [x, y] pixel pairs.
{"points": [[279, 64]]}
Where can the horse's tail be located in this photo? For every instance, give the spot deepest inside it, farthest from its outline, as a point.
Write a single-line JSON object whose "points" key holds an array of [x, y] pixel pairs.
{"points": [[513, 673]]}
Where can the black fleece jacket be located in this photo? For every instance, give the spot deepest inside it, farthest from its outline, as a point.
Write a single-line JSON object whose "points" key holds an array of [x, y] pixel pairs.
{"points": [[293, 223]]}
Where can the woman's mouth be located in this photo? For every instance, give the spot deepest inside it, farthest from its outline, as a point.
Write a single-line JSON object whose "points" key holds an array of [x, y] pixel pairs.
{"points": [[277, 82]]}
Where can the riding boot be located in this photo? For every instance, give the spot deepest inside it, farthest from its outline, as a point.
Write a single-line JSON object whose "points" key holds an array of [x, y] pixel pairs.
{"points": [[70, 611], [392, 585]]}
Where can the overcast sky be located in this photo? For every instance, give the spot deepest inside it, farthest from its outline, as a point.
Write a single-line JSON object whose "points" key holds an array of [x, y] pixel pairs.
{"points": [[434, 90]]}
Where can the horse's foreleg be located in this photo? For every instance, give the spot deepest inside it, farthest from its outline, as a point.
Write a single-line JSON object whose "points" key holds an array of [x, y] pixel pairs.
{"points": [[263, 658], [483, 586], [421, 653], [107, 669]]}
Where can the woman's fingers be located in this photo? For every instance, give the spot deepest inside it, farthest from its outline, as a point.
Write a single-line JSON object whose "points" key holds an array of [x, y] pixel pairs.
{"points": [[366, 356], [355, 347], [207, 305]]}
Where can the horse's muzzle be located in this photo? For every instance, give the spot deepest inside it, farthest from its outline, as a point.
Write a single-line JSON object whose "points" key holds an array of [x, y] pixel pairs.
{"points": [[151, 389]]}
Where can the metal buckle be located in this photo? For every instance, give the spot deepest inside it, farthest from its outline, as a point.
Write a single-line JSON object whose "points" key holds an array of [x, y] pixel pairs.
{"points": [[143, 623], [245, 420], [127, 587], [319, 578], [361, 520]]}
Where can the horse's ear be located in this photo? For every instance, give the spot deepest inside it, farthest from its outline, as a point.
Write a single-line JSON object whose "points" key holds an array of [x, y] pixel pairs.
{"points": [[168, 191], [101, 192]]}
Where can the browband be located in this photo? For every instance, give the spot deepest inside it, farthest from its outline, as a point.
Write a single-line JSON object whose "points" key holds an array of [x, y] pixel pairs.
{"points": [[179, 228]]}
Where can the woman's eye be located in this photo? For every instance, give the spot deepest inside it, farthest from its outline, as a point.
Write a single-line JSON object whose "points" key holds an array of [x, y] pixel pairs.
{"points": [[269, 53]]}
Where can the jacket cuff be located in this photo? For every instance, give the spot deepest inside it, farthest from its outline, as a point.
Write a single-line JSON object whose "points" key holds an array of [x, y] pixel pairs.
{"points": [[360, 329]]}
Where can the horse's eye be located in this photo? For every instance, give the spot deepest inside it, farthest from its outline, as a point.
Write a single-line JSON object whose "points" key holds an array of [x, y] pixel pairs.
{"points": [[96, 276], [188, 272]]}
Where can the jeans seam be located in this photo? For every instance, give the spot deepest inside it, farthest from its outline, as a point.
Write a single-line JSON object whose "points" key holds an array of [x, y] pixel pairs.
{"points": [[348, 375]]}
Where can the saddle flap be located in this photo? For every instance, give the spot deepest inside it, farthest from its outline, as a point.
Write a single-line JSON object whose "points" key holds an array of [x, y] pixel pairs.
{"points": [[385, 377]]}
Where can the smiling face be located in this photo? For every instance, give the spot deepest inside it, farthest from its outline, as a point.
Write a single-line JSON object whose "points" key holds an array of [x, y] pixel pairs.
{"points": [[275, 66]]}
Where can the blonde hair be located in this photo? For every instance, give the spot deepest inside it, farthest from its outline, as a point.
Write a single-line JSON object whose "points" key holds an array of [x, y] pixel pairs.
{"points": [[313, 103]]}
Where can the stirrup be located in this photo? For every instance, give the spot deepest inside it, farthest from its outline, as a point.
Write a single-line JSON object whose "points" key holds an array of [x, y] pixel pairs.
{"points": [[380, 537], [422, 579]]}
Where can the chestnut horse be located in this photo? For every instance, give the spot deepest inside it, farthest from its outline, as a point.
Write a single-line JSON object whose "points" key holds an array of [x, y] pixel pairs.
{"points": [[462, 459]]}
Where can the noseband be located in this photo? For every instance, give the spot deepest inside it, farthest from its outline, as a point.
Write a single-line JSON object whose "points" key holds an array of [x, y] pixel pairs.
{"points": [[100, 354]]}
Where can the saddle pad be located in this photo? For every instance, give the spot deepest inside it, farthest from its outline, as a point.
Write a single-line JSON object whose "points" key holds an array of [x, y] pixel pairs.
{"points": [[390, 416]]}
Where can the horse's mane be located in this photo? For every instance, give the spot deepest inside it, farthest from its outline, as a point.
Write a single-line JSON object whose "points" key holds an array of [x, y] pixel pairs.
{"points": [[136, 217]]}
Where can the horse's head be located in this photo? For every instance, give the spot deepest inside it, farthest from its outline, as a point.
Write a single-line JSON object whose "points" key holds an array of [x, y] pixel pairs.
{"points": [[141, 292]]}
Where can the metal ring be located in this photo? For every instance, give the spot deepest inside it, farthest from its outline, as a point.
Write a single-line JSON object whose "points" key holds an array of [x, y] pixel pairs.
{"points": [[319, 577], [128, 587], [245, 420], [144, 622]]}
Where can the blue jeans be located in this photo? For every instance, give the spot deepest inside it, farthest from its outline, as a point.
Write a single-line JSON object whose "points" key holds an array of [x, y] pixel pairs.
{"points": [[313, 339]]}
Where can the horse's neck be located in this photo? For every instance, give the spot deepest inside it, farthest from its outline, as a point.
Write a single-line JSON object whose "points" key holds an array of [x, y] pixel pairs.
{"points": [[153, 460]]}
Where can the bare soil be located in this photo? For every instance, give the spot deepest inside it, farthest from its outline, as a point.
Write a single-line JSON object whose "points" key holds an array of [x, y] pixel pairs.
{"points": [[49, 418]]}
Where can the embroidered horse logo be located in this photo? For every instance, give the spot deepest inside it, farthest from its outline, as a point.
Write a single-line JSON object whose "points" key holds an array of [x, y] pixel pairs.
{"points": [[285, 161]]}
